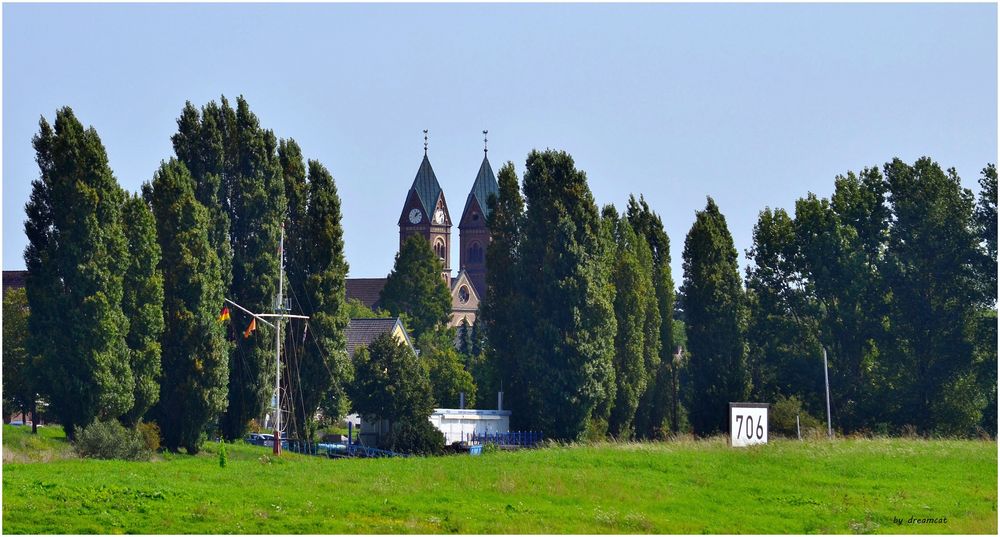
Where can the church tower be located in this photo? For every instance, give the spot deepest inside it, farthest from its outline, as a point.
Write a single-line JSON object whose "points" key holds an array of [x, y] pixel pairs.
{"points": [[473, 234], [426, 212]]}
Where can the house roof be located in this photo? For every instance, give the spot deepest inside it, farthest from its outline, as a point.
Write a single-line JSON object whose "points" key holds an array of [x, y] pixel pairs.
{"points": [[366, 290], [361, 332], [13, 279], [425, 184], [483, 187]]}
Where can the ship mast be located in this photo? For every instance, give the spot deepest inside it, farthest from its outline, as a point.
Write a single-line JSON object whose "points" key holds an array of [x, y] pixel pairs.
{"points": [[279, 307], [280, 314]]}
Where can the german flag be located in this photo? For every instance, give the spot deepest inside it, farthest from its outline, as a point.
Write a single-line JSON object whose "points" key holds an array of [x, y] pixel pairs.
{"points": [[224, 314], [251, 328]]}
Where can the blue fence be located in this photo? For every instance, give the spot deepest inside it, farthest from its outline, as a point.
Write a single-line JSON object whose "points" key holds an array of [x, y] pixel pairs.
{"points": [[509, 439]]}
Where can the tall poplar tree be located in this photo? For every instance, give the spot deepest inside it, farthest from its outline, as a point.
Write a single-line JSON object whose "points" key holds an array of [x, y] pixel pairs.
{"points": [[415, 288], [322, 369], [257, 209], [238, 178], [501, 316], [637, 315], [567, 298], [194, 350], [660, 402], [143, 306], [76, 258], [714, 309]]}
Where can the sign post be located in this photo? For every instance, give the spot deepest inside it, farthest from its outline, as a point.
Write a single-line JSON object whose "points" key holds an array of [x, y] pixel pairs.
{"points": [[747, 424]]}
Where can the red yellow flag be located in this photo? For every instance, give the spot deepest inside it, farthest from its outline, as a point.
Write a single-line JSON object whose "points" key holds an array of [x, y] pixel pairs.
{"points": [[251, 328], [224, 314]]}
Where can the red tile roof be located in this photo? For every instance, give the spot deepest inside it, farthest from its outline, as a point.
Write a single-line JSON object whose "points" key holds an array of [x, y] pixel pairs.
{"points": [[366, 290], [13, 279]]}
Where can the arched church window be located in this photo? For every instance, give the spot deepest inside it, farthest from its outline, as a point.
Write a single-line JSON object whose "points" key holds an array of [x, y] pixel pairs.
{"points": [[463, 294], [439, 248], [475, 253]]}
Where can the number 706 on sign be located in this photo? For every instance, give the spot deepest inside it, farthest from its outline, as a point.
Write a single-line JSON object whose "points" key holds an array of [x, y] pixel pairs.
{"points": [[747, 424]]}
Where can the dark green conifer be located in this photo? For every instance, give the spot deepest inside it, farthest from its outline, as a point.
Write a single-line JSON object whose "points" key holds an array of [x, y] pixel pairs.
{"points": [[714, 309], [194, 350], [77, 256]]}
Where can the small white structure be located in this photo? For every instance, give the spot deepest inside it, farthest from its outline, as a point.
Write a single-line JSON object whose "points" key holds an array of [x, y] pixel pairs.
{"points": [[457, 424], [454, 423]]}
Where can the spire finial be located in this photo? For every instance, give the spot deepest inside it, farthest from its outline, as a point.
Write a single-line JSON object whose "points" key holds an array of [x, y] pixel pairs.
{"points": [[425, 142], [485, 148]]}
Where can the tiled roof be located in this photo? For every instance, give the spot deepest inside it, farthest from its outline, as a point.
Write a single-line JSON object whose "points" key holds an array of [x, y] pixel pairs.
{"points": [[426, 186], [365, 289], [13, 279], [361, 332], [485, 184]]}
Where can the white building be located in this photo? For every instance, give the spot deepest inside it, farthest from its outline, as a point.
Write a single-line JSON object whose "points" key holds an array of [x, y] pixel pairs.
{"points": [[457, 424]]}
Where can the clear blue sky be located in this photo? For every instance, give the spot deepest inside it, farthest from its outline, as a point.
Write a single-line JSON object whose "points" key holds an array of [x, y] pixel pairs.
{"points": [[755, 105]]}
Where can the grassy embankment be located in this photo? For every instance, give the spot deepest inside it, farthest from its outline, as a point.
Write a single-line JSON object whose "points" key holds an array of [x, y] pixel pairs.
{"points": [[844, 486]]}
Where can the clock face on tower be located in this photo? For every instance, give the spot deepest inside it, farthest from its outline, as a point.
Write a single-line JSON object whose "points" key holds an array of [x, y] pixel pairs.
{"points": [[415, 216], [439, 216]]}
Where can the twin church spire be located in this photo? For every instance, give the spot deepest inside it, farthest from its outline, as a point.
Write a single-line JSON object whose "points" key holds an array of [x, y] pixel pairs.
{"points": [[425, 211]]}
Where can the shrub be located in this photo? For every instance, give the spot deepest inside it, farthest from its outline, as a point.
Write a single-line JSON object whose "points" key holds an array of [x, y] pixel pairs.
{"points": [[222, 455], [418, 437], [253, 426], [150, 435], [782, 417], [111, 440]]}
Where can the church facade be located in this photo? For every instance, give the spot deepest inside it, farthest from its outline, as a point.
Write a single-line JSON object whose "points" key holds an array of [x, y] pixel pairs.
{"points": [[425, 212]]}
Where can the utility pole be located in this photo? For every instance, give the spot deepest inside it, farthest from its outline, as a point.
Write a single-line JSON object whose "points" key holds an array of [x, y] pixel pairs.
{"points": [[826, 378]]}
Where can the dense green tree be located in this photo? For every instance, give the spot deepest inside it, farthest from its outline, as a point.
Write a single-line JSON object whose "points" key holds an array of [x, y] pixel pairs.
{"points": [[142, 304], [931, 278], [714, 308], [238, 177], [356, 309], [194, 349], [297, 186], [203, 142], [782, 327], [567, 297], [660, 402], [840, 245], [76, 259], [446, 368], [984, 331], [505, 366], [986, 228], [318, 284], [20, 381], [390, 383], [415, 287], [637, 315]]}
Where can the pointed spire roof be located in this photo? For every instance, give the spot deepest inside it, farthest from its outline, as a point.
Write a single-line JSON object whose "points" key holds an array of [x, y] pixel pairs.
{"points": [[425, 184], [485, 185]]}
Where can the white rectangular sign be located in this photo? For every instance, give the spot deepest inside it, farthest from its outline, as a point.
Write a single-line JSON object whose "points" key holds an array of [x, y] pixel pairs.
{"points": [[747, 424]]}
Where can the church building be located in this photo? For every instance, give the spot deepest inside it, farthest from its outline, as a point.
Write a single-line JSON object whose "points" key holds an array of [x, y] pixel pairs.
{"points": [[425, 211]]}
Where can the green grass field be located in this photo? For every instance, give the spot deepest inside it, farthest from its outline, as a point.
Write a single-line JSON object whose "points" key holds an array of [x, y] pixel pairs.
{"points": [[844, 486]]}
